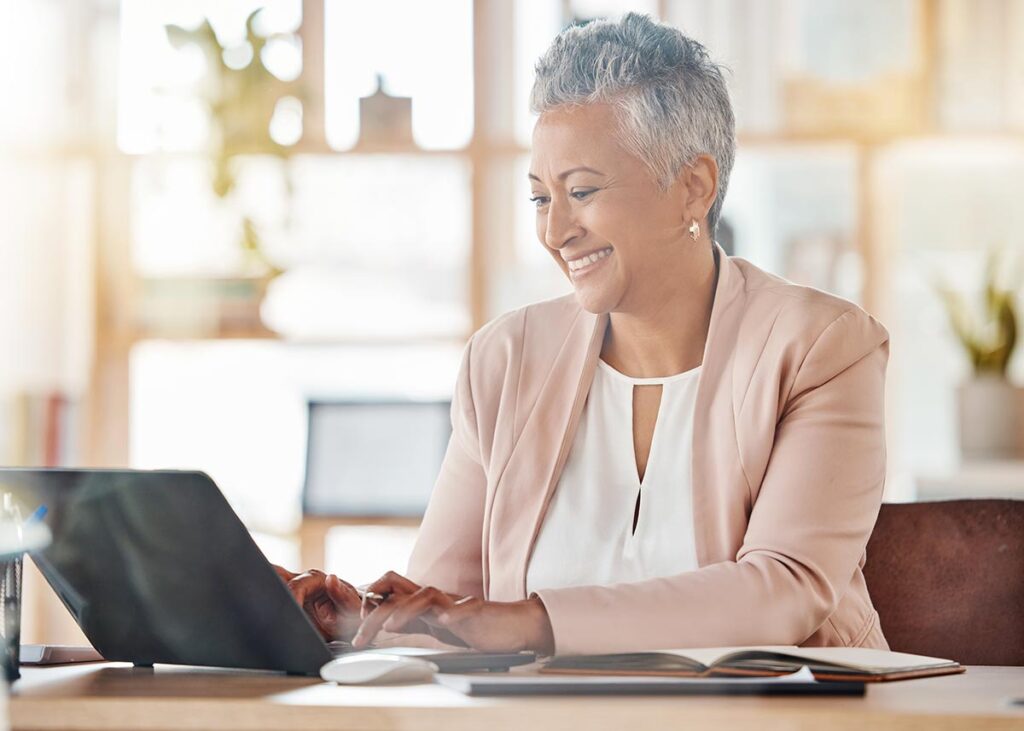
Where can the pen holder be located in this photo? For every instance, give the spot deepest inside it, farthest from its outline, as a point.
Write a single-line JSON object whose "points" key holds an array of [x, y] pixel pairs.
{"points": [[10, 615]]}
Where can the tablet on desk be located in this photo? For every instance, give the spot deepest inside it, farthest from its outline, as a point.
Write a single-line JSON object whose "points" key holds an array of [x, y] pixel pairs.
{"points": [[798, 683], [57, 654]]}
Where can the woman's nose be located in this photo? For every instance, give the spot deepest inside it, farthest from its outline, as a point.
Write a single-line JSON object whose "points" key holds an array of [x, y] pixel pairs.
{"points": [[561, 226]]}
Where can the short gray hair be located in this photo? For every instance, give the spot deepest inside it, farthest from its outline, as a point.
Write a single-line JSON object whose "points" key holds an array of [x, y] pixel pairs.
{"points": [[670, 96]]}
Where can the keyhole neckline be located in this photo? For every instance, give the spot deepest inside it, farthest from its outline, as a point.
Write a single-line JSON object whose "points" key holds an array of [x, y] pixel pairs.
{"points": [[654, 381]]}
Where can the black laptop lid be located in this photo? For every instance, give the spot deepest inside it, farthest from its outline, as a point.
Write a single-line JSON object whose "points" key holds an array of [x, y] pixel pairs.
{"points": [[157, 568]]}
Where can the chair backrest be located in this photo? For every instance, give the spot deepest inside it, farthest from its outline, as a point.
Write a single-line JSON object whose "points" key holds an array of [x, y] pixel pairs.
{"points": [[947, 579]]}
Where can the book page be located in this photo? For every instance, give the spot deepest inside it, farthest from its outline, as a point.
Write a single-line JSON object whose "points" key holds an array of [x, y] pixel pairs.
{"points": [[708, 656], [858, 658], [867, 659]]}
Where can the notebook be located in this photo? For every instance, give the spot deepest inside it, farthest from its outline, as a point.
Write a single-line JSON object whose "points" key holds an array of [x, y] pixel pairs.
{"points": [[826, 663]]}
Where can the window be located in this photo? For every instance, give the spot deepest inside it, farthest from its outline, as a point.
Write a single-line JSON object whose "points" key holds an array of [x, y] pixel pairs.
{"points": [[160, 104], [422, 50]]}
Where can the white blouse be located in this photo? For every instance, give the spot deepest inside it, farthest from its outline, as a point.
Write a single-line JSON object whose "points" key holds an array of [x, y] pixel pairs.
{"points": [[587, 537]]}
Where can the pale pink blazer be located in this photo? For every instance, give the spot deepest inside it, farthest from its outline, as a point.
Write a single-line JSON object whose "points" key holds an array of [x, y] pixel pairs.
{"points": [[788, 471]]}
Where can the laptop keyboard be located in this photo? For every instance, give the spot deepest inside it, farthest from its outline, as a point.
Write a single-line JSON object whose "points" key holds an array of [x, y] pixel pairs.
{"points": [[340, 647]]}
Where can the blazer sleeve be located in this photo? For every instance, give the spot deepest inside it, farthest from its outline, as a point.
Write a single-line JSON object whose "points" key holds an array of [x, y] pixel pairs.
{"points": [[448, 549], [807, 531]]}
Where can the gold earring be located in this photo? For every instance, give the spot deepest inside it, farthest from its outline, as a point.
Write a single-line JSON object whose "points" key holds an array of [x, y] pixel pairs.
{"points": [[694, 230]]}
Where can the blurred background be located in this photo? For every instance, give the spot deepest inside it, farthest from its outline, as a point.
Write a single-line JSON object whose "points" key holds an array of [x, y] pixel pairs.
{"points": [[252, 236]]}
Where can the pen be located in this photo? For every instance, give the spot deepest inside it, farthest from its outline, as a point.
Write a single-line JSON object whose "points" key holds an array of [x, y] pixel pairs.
{"points": [[372, 598], [37, 516]]}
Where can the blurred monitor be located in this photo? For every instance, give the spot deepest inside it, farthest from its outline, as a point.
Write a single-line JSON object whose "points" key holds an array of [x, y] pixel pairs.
{"points": [[373, 458]]}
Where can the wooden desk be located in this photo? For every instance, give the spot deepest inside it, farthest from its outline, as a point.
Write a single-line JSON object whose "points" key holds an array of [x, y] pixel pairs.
{"points": [[115, 696]]}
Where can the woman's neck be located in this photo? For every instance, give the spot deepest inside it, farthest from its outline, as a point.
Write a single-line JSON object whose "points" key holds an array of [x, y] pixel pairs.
{"points": [[666, 332]]}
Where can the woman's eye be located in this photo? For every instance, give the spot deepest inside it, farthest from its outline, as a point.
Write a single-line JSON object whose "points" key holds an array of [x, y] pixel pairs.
{"points": [[581, 194], [539, 200]]}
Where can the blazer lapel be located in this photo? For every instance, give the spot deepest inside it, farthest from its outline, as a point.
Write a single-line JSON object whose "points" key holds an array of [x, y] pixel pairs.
{"points": [[714, 384], [524, 489]]}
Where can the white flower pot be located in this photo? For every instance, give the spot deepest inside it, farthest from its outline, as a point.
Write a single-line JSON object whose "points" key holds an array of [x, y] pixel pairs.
{"points": [[991, 419]]}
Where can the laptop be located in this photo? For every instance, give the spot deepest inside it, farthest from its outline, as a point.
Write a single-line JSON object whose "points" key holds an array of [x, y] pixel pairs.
{"points": [[156, 567]]}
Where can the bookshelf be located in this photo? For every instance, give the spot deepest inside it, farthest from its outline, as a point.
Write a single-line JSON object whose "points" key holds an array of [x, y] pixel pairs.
{"points": [[751, 34], [120, 290]]}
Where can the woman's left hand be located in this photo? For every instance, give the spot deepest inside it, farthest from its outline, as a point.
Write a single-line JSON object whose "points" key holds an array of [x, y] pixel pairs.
{"points": [[479, 624]]}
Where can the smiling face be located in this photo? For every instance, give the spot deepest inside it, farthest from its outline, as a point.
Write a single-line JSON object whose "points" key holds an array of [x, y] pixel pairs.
{"points": [[617, 236]]}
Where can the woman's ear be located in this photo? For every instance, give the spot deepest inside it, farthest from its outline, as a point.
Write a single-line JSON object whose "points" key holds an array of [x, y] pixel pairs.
{"points": [[698, 186]]}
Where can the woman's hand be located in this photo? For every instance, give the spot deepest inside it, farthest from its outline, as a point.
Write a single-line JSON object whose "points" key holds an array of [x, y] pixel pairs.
{"points": [[333, 605], [469, 621]]}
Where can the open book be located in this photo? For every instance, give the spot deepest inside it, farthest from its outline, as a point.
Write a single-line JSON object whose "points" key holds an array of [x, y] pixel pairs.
{"points": [[826, 663]]}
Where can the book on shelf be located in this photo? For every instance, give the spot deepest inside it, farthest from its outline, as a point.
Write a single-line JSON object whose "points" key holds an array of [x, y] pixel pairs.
{"points": [[38, 429], [825, 663]]}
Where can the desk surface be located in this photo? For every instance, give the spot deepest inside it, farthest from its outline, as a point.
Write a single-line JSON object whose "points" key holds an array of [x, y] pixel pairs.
{"points": [[116, 696]]}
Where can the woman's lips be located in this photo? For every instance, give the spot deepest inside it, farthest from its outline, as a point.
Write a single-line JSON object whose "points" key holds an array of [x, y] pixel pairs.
{"points": [[583, 266]]}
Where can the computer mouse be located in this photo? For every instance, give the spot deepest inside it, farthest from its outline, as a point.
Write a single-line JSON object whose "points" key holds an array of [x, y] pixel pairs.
{"points": [[370, 667]]}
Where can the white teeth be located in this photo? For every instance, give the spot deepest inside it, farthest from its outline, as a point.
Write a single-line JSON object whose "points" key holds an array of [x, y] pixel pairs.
{"points": [[585, 261]]}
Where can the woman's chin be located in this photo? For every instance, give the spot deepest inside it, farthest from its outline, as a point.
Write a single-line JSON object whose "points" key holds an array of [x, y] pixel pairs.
{"points": [[596, 300]]}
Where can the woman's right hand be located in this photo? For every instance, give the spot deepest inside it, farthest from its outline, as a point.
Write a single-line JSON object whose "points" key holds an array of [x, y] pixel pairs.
{"points": [[332, 604]]}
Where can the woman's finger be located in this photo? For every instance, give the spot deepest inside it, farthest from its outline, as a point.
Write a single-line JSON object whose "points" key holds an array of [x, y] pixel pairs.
{"points": [[343, 594], [284, 573], [393, 583], [376, 619], [422, 602], [305, 587], [373, 621], [325, 617]]}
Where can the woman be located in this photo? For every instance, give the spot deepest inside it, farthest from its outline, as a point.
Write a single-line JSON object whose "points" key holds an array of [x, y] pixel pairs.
{"points": [[685, 452]]}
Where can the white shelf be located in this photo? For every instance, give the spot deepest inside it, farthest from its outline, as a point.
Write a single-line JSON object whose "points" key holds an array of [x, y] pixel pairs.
{"points": [[974, 480]]}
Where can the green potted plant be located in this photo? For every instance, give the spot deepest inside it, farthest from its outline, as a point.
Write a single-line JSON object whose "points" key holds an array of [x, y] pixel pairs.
{"points": [[991, 416], [242, 98]]}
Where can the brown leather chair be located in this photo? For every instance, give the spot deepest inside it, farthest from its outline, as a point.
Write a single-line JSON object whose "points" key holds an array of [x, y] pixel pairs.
{"points": [[947, 579]]}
